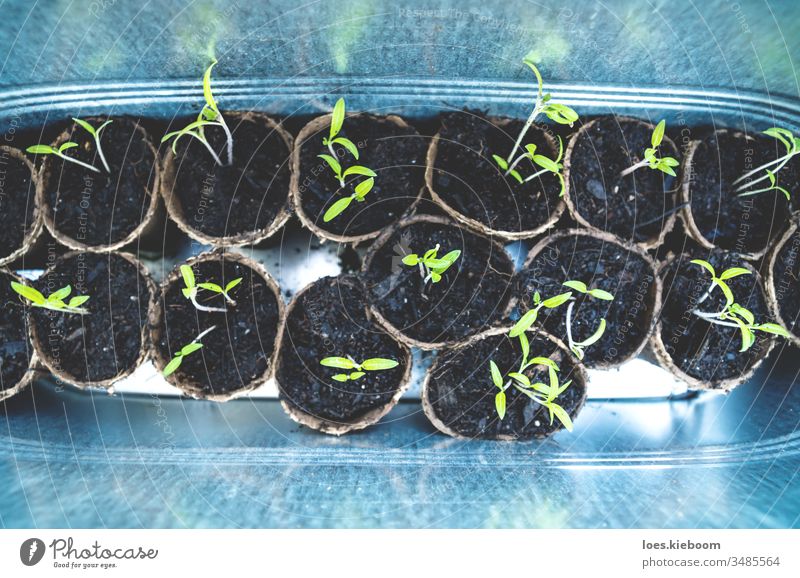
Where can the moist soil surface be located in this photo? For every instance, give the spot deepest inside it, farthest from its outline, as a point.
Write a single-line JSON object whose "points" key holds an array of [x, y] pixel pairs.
{"points": [[17, 203], [786, 275], [470, 297], [241, 198], [395, 153], [740, 224], [101, 208], [462, 394], [107, 341], [635, 206], [15, 348], [601, 265], [240, 349], [467, 178], [330, 320], [704, 350]]}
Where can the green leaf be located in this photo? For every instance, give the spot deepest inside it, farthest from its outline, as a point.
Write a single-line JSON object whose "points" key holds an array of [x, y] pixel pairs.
{"points": [[77, 301], [520, 378], [348, 144], [706, 265], [726, 291], [411, 260], [333, 163], [546, 361], [560, 148], [102, 126], [188, 276], [435, 276], [517, 177], [336, 208], [210, 287], [524, 323], [500, 404], [773, 328], [734, 272], [28, 293], [745, 314], [546, 163], [340, 377], [378, 364], [188, 293], [363, 188], [600, 294], [748, 338], [554, 302], [562, 415], [61, 294], [207, 95], [191, 348], [233, 284], [172, 365], [356, 374], [658, 133], [359, 170], [66, 146], [579, 286], [497, 377], [41, 149], [338, 362], [531, 149], [337, 118], [451, 257], [85, 125], [525, 346], [595, 336], [666, 169], [670, 162], [560, 113], [501, 162], [785, 193]]}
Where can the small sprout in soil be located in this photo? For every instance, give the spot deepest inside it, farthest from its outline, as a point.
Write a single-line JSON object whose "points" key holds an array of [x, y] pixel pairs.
{"points": [[577, 347], [374, 364], [431, 267], [544, 164], [543, 394], [663, 164], [191, 288], [95, 132], [361, 189], [733, 314], [187, 349], [558, 113], [54, 301], [209, 116], [43, 149], [792, 144]]}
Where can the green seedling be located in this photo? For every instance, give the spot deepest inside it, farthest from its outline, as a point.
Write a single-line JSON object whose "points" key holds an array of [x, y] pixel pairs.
{"points": [[558, 113], [191, 289], [543, 394], [54, 301], [43, 149], [210, 115], [358, 369], [95, 132], [733, 314], [431, 267], [651, 158], [792, 144], [361, 189], [187, 349]]}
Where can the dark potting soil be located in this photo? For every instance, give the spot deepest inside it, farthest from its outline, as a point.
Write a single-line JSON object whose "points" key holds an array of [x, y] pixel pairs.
{"points": [[467, 178], [107, 341], [17, 202], [463, 396], [330, 320], [601, 265], [245, 197], [396, 154], [240, 349], [15, 347], [704, 350], [786, 275], [635, 206], [101, 208], [471, 296], [740, 224]]}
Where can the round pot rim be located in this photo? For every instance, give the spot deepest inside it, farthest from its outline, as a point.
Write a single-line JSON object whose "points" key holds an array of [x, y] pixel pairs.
{"points": [[664, 359], [147, 219], [381, 241], [313, 127], [474, 224], [157, 323], [175, 209], [669, 223], [325, 425], [769, 279], [655, 300], [579, 372], [144, 350], [34, 231], [33, 362], [685, 199]]}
